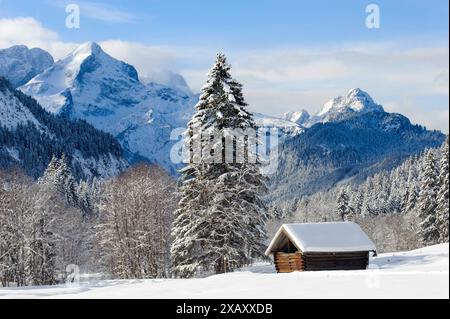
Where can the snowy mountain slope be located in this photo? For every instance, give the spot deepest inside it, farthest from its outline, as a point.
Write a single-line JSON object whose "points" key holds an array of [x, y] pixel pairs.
{"points": [[299, 118], [20, 64], [168, 79], [422, 273], [13, 112], [91, 85], [287, 127], [29, 136], [147, 131]]}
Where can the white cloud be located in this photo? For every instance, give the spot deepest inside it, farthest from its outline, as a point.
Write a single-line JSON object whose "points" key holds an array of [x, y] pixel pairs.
{"points": [[30, 32], [148, 60], [24, 30]]}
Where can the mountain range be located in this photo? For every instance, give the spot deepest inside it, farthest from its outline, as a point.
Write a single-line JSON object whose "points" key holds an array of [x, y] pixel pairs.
{"points": [[349, 139], [91, 85]]}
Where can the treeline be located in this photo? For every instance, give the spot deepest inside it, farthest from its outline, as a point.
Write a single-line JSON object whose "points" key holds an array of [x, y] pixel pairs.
{"points": [[39, 232], [120, 226]]}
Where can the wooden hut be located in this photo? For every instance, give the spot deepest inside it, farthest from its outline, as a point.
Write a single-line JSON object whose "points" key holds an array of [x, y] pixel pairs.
{"points": [[320, 246]]}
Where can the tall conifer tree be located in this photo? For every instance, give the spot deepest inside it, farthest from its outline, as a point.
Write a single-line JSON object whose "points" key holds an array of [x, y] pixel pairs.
{"points": [[220, 221]]}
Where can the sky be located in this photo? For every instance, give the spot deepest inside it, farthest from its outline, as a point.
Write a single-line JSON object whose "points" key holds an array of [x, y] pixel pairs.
{"points": [[289, 54]]}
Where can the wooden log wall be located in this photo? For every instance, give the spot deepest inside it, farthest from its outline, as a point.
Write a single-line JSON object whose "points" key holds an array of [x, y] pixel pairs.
{"points": [[289, 262], [336, 261]]}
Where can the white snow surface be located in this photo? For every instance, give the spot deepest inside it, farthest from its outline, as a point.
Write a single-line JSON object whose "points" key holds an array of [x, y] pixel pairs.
{"points": [[422, 273], [325, 237]]}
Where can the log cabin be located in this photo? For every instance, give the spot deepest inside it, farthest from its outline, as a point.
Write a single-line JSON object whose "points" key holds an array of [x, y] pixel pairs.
{"points": [[320, 246]]}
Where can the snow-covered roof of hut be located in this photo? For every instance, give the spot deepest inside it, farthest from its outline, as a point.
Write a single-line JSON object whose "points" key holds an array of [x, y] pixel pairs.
{"points": [[322, 237]]}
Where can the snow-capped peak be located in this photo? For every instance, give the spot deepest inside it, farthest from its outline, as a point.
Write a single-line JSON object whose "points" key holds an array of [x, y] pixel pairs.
{"points": [[356, 100], [88, 48], [299, 118], [88, 71], [82, 53], [19, 64]]}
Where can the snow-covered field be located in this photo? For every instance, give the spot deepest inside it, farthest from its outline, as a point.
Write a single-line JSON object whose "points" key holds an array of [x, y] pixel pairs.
{"points": [[422, 273]]}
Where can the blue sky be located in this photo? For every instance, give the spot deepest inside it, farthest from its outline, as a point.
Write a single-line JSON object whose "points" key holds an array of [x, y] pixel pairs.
{"points": [[243, 24], [289, 54]]}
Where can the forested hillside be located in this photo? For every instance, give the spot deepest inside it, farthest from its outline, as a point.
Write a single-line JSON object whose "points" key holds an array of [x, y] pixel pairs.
{"points": [[30, 136], [348, 150]]}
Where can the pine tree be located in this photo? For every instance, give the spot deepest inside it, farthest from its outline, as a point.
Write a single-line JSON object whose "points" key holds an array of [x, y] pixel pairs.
{"points": [[443, 195], [428, 231], [83, 195], [343, 207], [358, 203], [66, 182], [220, 221], [413, 197], [58, 175], [411, 194]]}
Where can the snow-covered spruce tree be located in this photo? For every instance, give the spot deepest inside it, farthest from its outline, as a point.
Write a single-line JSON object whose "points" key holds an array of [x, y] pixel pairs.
{"points": [[427, 203], [344, 210], [356, 202], [84, 198], [411, 193], [220, 221], [59, 175], [443, 195]]}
